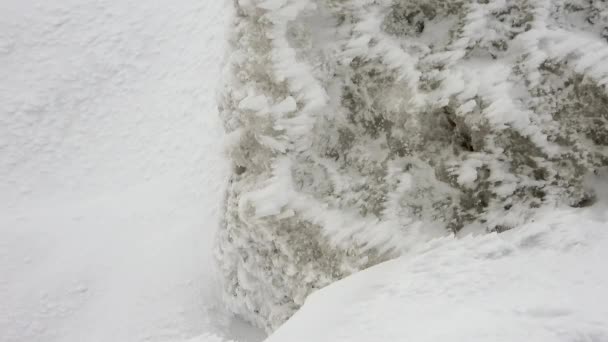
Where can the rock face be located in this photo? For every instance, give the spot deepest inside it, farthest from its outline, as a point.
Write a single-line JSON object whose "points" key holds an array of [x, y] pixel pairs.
{"points": [[357, 128]]}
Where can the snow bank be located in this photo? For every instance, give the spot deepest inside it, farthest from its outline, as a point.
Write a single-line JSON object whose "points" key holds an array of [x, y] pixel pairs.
{"points": [[111, 173], [544, 281]]}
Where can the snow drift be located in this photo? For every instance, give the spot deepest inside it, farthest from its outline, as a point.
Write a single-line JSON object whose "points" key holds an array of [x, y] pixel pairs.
{"points": [[543, 282], [358, 129]]}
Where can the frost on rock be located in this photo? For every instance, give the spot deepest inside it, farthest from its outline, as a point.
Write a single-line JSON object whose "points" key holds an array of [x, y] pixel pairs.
{"points": [[359, 127]]}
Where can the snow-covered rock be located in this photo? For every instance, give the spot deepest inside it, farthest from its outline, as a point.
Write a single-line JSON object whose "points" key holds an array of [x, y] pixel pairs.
{"points": [[359, 128]]}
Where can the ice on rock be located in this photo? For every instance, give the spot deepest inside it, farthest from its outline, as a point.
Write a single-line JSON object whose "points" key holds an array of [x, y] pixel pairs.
{"points": [[371, 126]]}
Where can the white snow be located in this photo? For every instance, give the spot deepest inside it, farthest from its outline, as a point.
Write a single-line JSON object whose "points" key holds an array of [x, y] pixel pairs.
{"points": [[112, 177], [544, 282], [111, 173]]}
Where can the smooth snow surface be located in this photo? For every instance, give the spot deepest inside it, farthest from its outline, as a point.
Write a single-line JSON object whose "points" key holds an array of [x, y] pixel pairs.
{"points": [[111, 171], [543, 282]]}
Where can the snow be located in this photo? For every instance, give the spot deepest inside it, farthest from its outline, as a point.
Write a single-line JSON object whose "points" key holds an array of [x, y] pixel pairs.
{"points": [[111, 171], [112, 177], [544, 281]]}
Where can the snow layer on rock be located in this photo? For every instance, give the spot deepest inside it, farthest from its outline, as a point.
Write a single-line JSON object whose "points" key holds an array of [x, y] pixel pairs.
{"points": [[111, 173], [544, 282], [361, 128]]}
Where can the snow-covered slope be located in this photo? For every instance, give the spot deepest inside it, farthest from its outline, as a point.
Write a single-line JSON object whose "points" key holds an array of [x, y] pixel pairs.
{"points": [[545, 281], [110, 169]]}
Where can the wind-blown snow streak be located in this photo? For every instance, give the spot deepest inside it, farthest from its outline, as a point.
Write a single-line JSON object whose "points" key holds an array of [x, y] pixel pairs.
{"points": [[358, 128]]}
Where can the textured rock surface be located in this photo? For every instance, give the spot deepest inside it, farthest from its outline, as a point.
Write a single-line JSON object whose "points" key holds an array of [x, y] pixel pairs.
{"points": [[359, 127]]}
